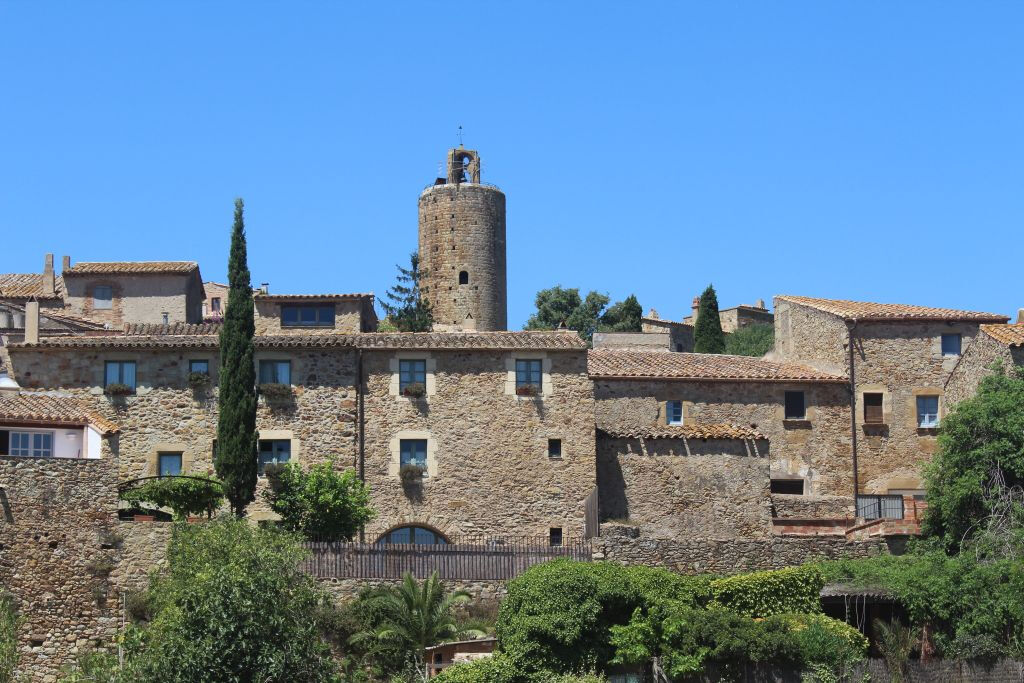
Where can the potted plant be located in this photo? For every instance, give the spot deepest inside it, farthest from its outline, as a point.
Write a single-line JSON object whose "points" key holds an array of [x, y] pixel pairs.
{"points": [[527, 390], [412, 475], [415, 390], [198, 380], [118, 389], [274, 390]]}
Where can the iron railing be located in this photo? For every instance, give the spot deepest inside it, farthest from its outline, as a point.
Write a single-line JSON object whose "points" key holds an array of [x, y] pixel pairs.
{"points": [[880, 507]]}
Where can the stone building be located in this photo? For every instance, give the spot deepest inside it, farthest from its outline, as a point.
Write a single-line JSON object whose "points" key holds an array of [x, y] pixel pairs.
{"points": [[997, 344], [898, 358], [216, 301], [736, 317], [462, 248]]}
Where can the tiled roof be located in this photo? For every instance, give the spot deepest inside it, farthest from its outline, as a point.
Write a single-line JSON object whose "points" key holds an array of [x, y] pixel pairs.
{"points": [[27, 286], [131, 267], [660, 321], [698, 366], [50, 409], [862, 310], [706, 431], [1009, 334], [309, 297], [173, 329], [56, 315], [151, 337]]}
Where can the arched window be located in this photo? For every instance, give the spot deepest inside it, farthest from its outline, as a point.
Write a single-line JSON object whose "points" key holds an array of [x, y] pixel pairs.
{"points": [[418, 535], [464, 278]]}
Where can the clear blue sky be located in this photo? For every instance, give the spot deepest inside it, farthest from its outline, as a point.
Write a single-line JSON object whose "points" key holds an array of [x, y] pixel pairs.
{"points": [[850, 150]]}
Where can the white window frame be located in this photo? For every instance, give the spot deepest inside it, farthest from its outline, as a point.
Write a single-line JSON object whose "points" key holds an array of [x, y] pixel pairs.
{"points": [[923, 421], [32, 450]]}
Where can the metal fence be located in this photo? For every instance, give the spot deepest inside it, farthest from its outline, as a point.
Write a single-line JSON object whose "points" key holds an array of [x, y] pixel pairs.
{"points": [[464, 559], [880, 507]]}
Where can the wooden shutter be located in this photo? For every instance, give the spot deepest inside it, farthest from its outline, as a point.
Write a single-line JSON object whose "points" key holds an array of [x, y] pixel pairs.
{"points": [[873, 409]]}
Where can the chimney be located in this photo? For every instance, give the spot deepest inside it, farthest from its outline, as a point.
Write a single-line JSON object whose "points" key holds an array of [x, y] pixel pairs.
{"points": [[1020, 315], [696, 308], [652, 314], [264, 288], [760, 303], [65, 263], [49, 286], [32, 321]]}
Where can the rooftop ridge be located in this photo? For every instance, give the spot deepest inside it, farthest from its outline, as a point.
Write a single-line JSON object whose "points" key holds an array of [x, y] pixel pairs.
{"points": [[871, 311], [610, 363]]}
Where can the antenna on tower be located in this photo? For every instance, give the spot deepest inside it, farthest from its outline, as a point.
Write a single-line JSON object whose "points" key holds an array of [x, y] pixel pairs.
{"points": [[460, 136]]}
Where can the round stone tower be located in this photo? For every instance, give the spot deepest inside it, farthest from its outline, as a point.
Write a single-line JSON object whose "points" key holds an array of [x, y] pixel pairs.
{"points": [[462, 248]]}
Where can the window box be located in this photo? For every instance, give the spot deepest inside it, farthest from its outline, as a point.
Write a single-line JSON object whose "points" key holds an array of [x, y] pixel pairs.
{"points": [[412, 475], [527, 390], [415, 390], [198, 380], [275, 390], [118, 389]]}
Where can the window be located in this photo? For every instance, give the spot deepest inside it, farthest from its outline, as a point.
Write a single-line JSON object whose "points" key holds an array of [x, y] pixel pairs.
{"points": [[274, 451], [463, 278], [411, 372], [529, 374], [102, 297], [417, 535], [168, 464], [927, 412], [199, 366], [31, 444], [795, 409], [413, 452], [788, 486], [554, 448], [120, 372], [555, 536], [951, 344], [307, 315], [674, 412], [880, 507], [215, 304], [873, 409], [679, 348], [275, 372]]}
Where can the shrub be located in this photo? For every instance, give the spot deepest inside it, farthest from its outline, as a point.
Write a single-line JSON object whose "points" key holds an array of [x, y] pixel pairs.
{"points": [[496, 669], [752, 340], [191, 495], [319, 502], [10, 623], [415, 390], [232, 604], [762, 594], [411, 475], [198, 380], [365, 613], [276, 391]]}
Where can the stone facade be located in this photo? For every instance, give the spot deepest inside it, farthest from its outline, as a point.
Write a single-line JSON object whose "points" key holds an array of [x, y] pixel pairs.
{"points": [[977, 362], [137, 297], [680, 334], [462, 251], [216, 301], [353, 313]]}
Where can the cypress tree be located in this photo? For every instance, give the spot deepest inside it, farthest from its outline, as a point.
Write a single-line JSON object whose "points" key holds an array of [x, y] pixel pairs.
{"points": [[235, 459], [707, 331]]}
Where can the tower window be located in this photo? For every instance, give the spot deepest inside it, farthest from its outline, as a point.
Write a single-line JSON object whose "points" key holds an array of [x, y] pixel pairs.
{"points": [[464, 278]]}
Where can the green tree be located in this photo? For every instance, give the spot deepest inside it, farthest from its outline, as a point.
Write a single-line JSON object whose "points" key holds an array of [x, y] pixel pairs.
{"points": [[408, 311], [752, 340], [235, 459], [417, 615], [622, 316], [10, 623], [319, 502], [232, 604], [707, 333], [974, 482]]}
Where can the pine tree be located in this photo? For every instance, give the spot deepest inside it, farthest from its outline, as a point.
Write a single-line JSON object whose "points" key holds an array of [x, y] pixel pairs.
{"points": [[235, 459], [623, 316], [707, 331], [408, 310]]}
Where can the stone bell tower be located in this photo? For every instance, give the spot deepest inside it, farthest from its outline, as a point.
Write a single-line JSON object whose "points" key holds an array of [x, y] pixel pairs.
{"points": [[462, 248]]}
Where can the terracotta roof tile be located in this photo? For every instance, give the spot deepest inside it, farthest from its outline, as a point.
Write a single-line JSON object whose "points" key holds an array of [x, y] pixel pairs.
{"points": [[50, 409], [310, 297], [862, 310], [171, 329], [1010, 334], [176, 337], [131, 267], [698, 366], [27, 286], [698, 431]]}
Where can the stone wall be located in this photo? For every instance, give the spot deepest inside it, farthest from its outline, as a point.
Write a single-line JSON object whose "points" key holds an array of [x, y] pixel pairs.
{"points": [[697, 555], [59, 545], [137, 298], [786, 506], [694, 487], [462, 229], [632, 341], [816, 449], [348, 317], [975, 364], [489, 469], [680, 335], [806, 335]]}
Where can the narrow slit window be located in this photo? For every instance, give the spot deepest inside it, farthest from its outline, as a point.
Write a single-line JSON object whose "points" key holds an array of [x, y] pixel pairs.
{"points": [[463, 278], [554, 448]]}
